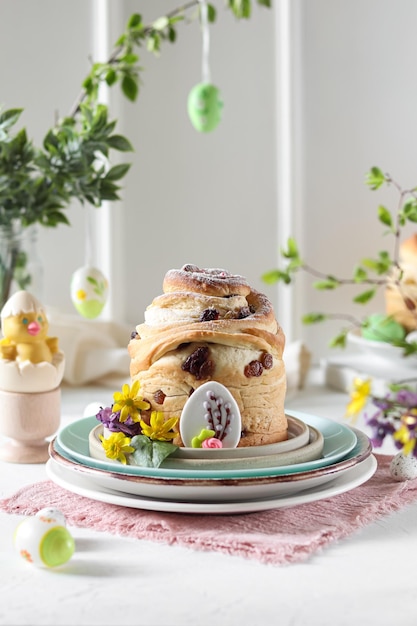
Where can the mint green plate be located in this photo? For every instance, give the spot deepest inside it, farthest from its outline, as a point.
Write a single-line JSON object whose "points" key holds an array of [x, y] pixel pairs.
{"points": [[339, 440]]}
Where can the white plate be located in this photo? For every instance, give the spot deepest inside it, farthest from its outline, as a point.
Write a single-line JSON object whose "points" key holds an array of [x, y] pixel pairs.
{"points": [[214, 489], [339, 440], [343, 482], [382, 350]]}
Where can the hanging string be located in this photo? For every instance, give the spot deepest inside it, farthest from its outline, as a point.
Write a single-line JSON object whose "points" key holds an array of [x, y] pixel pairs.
{"points": [[205, 67], [204, 103], [89, 236]]}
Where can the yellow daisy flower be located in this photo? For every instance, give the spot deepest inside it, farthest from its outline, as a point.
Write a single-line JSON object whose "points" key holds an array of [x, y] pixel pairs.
{"points": [[117, 446], [129, 403], [159, 429], [404, 434], [359, 396]]}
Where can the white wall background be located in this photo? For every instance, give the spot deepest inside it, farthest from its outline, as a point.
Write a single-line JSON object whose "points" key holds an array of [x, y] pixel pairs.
{"points": [[358, 109], [193, 198], [215, 200], [44, 54]]}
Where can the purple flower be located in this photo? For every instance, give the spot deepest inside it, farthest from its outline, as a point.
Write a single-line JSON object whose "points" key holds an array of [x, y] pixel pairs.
{"points": [[380, 429], [407, 398], [112, 421], [105, 416], [382, 403]]}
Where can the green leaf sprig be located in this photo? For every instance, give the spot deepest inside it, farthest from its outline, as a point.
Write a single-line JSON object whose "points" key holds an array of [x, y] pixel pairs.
{"points": [[374, 273], [150, 453]]}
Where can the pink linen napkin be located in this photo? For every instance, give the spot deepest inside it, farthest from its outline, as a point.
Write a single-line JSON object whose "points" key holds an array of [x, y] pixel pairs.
{"points": [[279, 536]]}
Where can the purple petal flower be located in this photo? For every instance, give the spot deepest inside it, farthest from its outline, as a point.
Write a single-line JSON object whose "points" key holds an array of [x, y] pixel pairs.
{"points": [[407, 398], [112, 422], [380, 429], [129, 427], [381, 403], [104, 416]]}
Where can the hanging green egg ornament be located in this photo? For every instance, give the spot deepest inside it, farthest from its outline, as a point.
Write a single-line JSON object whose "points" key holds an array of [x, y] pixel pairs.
{"points": [[205, 107]]}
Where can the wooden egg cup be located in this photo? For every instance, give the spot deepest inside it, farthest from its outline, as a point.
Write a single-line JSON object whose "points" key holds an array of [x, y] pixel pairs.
{"points": [[27, 419]]}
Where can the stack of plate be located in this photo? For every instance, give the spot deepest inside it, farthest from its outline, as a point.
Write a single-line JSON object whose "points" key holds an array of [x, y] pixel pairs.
{"points": [[320, 459]]}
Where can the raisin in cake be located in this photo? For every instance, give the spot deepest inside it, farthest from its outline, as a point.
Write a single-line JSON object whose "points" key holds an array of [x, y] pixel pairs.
{"points": [[210, 325]]}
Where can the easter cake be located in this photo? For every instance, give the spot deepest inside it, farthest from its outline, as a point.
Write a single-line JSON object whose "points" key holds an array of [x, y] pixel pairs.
{"points": [[209, 326], [401, 291]]}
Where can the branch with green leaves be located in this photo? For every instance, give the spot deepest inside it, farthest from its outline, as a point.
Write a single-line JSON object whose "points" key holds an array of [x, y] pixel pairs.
{"points": [[38, 184], [372, 273], [123, 64]]}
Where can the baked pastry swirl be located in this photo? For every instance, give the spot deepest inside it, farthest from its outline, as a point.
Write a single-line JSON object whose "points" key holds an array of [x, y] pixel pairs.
{"points": [[210, 325]]}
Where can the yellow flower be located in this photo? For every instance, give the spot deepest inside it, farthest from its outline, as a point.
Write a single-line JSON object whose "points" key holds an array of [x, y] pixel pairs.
{"points": [[158, 429], [359, 396], [117, 446], [406, 436], [129, 403], [81, 295]]}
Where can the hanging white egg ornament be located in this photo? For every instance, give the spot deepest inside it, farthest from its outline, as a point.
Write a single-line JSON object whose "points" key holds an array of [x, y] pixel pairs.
{"points": [[205, 107], [89, 289], [43, 540]]}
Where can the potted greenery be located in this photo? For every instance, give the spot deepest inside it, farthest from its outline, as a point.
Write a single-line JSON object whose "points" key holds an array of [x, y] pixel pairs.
{"points": [[37, 184]]}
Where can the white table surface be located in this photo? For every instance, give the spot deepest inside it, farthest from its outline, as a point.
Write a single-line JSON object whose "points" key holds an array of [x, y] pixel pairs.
{"points": [[369, 578]]}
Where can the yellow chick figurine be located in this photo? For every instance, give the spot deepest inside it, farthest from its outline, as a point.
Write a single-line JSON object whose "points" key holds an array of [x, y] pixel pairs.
{"points": [[25, 327]]}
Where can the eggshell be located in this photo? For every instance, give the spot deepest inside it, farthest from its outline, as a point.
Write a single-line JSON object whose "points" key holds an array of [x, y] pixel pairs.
{"points": [[93, 408], [403, 467], [44, 542], [214, 398], [89, 288], [205, 107]]}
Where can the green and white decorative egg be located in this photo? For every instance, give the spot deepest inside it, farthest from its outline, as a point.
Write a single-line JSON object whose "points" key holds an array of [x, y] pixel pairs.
{"points": [[44, 540], [89, 288], [205, 107]]}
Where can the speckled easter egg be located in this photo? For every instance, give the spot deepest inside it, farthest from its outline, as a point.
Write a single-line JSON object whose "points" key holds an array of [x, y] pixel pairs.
{"points": [[383, 328], [89, 289], [43, 541], [205, 107], [403, 467]]}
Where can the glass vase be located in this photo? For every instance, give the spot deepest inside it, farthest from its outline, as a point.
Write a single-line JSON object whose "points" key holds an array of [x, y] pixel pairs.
{"points": [[20, 263]]}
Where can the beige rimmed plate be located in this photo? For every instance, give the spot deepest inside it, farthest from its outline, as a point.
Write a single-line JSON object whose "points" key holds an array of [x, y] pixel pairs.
{"points": [[382, 350], [307, 446], [309, 452], [298, 436]]}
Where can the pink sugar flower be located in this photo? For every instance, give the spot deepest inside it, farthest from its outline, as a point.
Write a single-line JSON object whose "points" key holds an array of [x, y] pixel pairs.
{"points": [[212, 442]]}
